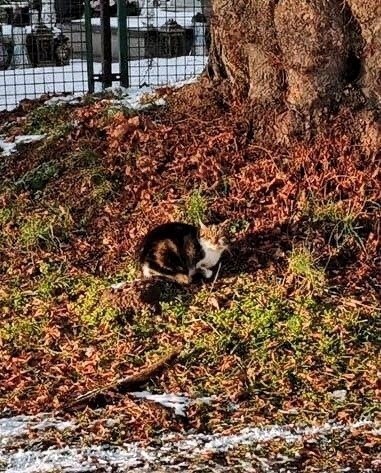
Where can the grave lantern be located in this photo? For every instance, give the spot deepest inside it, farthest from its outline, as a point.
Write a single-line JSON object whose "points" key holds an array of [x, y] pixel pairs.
{"points": [[40, 43], [6, 46], [172, 39], [6, 49]]}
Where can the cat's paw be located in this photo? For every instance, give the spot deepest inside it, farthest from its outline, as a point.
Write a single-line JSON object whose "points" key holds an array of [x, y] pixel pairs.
{"points": [[207, 273]]}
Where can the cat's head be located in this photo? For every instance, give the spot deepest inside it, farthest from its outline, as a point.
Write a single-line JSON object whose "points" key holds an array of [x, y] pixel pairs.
{"points": [[215, 235]]}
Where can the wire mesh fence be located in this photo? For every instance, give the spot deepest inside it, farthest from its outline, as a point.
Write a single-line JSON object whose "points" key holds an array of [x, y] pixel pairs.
{"points": [[42, 49], [165, 42], [71, 46]]}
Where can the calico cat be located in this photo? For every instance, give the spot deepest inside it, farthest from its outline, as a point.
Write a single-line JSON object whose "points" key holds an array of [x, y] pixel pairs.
{"points": [[178, 251]]}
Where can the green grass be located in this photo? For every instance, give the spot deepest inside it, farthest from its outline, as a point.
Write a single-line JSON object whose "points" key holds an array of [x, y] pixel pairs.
{"points": [[92, 308], [249, 319], [238, 226], [36, 231], [102, 188], [22, 332], [46, 230], [303, 266], [195, 208], [113, 110], [275, 338], [6, 215], [53, 281], [143, 328], [45, 119], [50, 120], [85, 157], [13, 300], [37, 178], [338, 219], [268, 331], [96, 178], [295, 326], [252, 314], [128, 272], [333, 212]]}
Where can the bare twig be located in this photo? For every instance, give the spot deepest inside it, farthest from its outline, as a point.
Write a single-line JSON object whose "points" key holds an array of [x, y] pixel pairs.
{"points": [[215, 278], [124, 385]]}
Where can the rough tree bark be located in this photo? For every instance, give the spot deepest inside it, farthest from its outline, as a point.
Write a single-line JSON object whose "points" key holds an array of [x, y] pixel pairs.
{"points": [[303, 54]]}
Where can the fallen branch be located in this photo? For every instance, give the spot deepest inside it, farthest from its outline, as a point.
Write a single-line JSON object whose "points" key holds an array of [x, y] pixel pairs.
{"points": [[124, 385]]}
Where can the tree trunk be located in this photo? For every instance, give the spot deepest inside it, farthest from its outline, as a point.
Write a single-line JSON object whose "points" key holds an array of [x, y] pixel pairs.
{"points": [[304, 56]]}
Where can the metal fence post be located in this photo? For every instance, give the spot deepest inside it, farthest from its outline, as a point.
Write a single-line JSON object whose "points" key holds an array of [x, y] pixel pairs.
{"points": [[123, 46], [106, 44], [89, 47]]}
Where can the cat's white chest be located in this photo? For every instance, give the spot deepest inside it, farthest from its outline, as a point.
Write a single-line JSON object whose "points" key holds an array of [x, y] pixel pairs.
{"points": [[212, 255]]}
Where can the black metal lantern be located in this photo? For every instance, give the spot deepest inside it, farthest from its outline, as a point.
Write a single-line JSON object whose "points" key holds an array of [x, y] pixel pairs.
{"points": [[6, 51], [172, 39], [40, 44]]}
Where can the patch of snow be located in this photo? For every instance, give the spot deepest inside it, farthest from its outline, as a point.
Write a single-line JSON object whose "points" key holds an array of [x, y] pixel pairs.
{"points": [[171, 451], [10, 148], [131, 98], [26, 139], [7, 148], [177, 402], [72, 99], [74, 460], [252, 435], [181, 83], [16, 85], [12, 427]]}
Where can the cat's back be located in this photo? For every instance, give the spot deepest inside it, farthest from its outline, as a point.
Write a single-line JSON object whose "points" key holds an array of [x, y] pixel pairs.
{"points": [[175, 232]]}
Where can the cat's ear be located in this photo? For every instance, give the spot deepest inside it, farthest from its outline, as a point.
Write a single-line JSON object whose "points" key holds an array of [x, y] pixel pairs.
{"points": [[202, 226]]}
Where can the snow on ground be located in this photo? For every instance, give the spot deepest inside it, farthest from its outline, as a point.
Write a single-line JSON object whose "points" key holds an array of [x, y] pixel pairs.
{"points": [[17, 426], [18, 84], [6, 148], [9, 148], [175, 452], [179, 403], [11, 427]]}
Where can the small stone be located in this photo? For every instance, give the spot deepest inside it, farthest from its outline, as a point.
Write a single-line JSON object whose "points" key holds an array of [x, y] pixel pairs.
{"points": [[339, 394]]}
